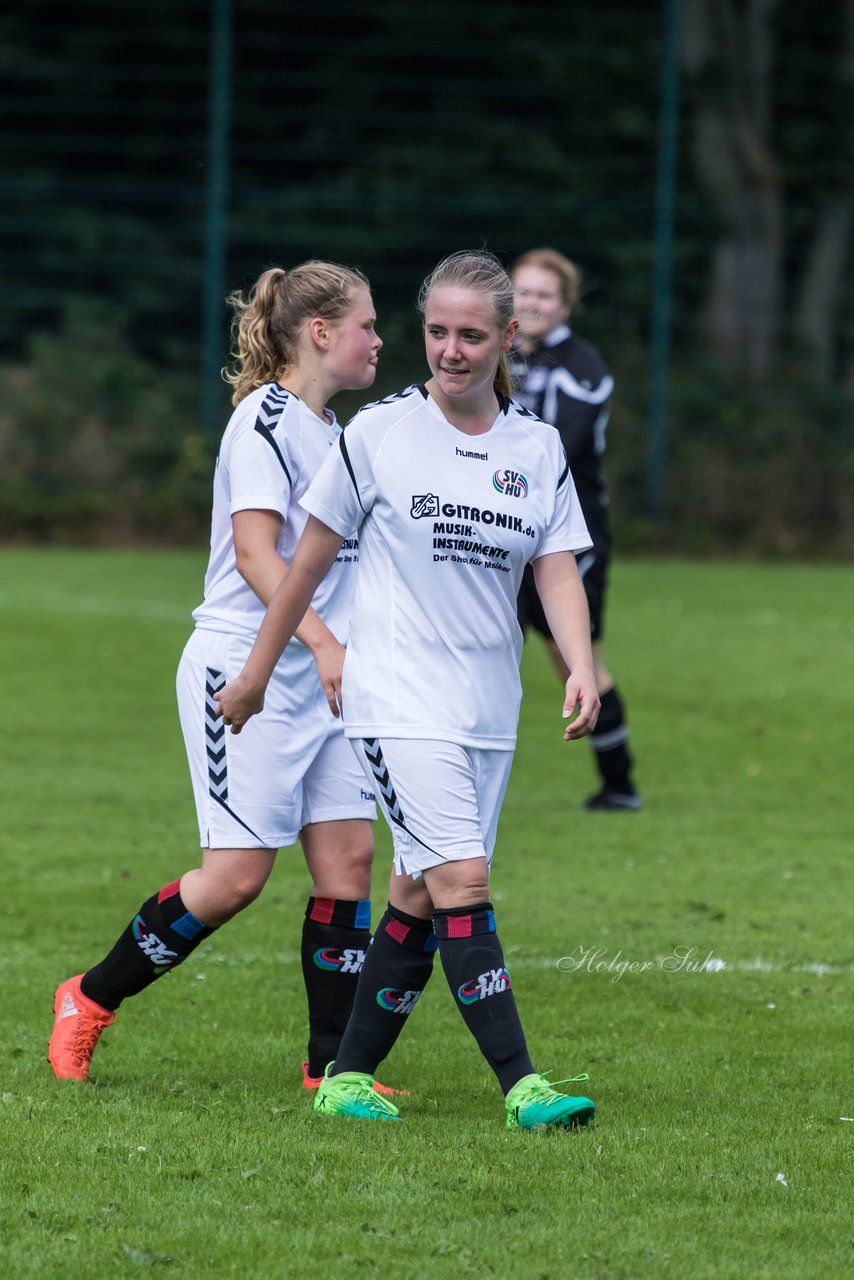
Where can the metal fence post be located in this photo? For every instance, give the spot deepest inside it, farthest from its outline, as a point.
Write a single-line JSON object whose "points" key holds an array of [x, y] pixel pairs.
{"points": [[665, 200], [216, 211]]}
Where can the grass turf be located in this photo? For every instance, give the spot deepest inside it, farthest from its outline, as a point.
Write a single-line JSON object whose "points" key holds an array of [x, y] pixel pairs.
{"points": [[719, 1149]]}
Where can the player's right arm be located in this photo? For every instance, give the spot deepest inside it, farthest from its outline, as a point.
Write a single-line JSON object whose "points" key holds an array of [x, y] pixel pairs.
{"points": [[243, 697]]}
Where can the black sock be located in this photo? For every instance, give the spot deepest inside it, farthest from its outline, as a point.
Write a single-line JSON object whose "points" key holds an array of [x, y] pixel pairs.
{"points": [[609, 741], [396, 971], [336, 935], [161, 935], [474, 967]]}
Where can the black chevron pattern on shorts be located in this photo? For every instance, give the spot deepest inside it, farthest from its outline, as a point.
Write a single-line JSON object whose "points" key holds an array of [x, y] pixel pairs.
{"points": [[215, 737], [374, 752]]}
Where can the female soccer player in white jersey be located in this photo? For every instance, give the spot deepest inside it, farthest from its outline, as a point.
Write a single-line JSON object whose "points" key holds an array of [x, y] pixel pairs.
{"points": [[301, 336], [453, 489]]}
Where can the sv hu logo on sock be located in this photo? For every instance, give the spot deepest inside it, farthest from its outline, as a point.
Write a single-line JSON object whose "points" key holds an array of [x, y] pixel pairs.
{"points": [[336, 960], [491, 983], [150, 945], [401, 1002]]}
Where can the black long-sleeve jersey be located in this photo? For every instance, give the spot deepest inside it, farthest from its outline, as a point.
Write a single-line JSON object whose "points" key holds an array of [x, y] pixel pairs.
{"points": [[566, 382]]}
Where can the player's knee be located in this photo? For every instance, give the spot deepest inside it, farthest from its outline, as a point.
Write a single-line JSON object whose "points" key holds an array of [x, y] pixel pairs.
{"points": [[360, 856], [412, 897], [459, 884], [234, 895], [475, 890], [353, 870]]}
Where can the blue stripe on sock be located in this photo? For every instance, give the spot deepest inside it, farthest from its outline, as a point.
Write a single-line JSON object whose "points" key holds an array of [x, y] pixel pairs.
{"points": [[432, 943], [187, 926], [362, 918]]}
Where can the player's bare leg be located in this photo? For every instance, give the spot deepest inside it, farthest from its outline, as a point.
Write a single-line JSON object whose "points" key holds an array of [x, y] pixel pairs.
{"points": [[164, 932], [227, 881]]}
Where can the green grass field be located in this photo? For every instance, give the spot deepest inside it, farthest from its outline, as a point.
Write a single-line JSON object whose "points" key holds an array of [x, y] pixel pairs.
{"points": [[723, 1145]]}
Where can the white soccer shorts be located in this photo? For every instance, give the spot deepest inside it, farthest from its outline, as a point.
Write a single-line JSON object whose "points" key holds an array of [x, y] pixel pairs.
{"points": [[290, 766], [442, 801]]}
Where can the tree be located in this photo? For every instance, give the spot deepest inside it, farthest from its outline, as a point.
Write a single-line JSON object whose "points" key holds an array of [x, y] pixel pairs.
{"points": [[817, 308], [770, 89], [728, 48]]}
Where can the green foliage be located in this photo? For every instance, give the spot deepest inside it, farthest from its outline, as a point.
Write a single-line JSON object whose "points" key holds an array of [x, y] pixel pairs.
{"points": [[96, 440], [385, 137], [768, 471], [99, 443], [749, 470], [720, 1150]]}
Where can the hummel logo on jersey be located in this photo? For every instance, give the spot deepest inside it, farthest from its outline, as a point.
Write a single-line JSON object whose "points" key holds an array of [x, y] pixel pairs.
{"points": [[402, 1002], [333, 960], [491, 983], [424, 504], [68, 1008], [150, 945], [511, 483]]}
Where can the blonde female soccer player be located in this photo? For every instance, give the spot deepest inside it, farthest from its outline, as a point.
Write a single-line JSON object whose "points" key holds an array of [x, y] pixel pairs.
{"points": [[453, 489], [301, 336]]}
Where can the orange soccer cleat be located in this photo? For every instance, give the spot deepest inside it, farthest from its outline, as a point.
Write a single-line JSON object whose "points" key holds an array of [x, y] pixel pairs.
{"points": [[384, 1090], [76, 1029]]}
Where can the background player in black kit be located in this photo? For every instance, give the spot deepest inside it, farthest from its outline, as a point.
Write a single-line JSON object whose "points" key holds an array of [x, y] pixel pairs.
{"points": [[565, 381]]}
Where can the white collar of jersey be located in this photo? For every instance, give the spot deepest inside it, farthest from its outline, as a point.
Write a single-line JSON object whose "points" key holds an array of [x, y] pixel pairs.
{"points": [[560, 334]]}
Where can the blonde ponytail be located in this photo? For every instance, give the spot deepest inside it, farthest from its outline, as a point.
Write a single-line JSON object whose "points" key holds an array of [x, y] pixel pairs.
{"points": [[267, 321]]}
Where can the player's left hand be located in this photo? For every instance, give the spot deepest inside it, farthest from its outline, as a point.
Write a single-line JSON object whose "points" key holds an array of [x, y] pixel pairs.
{"points": [[582, 700], [238, 702], [329, 660]]}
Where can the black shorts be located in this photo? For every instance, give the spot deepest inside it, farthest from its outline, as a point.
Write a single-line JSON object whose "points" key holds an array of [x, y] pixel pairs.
{"points": [[594, 575]]}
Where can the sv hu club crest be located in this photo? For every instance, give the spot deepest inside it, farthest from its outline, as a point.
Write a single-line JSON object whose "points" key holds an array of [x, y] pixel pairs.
{"points": [[511, 483]]}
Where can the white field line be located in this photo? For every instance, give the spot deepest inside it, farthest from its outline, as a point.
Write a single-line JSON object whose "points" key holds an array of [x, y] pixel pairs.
{"points": [[608, 966]]}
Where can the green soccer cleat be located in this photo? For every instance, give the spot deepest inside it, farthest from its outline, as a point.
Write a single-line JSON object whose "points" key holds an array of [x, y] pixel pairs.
{"points": [[352, 1094], [533, 1103]]}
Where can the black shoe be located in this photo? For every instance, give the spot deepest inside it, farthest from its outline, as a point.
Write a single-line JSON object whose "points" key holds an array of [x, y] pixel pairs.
{"points": [[608, 801]]}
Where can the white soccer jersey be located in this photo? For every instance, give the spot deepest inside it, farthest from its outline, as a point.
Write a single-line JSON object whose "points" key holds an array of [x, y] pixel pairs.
{"points": [[272, 447], [447, 522]]}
